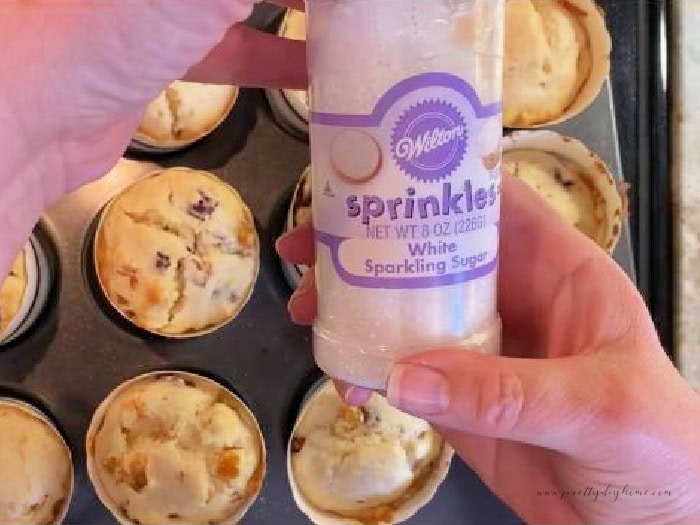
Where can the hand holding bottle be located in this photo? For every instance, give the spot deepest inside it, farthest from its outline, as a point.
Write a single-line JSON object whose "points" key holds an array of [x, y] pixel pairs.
{"points": [[584, 398]]}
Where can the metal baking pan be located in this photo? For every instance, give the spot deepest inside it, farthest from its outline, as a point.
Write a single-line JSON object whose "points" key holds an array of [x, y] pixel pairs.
{"points": [[596, 129], [642, 66], [80, 349]]}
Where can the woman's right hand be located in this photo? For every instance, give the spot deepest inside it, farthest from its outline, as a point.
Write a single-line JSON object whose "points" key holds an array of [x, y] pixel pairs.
{"points": [[584, 419]]}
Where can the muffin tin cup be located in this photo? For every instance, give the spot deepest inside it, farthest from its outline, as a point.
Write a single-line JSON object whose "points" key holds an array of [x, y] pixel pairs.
{"points": [[596, 173], [592, 18], [289, 111], [142, 143], [295, 272], [115, 307], [34, 411], [241, 409], [288, 106], [408, 508], [36, 292]]}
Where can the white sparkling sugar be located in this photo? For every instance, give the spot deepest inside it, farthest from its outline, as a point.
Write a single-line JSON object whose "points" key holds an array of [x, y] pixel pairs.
{"points": [[375, 45]]}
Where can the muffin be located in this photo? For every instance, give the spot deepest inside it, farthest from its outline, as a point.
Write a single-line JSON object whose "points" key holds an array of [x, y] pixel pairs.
{"points": [[299, 214], [372, 464], [12, 292], [572, 180], [24, 291], [36, 478], [301, 207], [175, 448], [291, 106], [557, 56], [183, 114], [177, 253]]}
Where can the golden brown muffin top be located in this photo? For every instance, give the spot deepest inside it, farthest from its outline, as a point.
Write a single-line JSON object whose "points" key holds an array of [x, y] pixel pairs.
{"points": [[547, 60], [36, 473], [178, 252]]}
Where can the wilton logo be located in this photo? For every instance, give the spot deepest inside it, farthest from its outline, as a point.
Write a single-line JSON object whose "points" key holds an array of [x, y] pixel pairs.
{"points": [[429, 141]]}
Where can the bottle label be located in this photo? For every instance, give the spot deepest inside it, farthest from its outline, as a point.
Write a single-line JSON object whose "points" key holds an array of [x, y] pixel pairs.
{"points": [[408, 196]]}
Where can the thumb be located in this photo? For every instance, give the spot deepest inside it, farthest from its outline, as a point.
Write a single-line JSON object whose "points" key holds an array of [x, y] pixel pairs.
{"points": [[542, 402]]}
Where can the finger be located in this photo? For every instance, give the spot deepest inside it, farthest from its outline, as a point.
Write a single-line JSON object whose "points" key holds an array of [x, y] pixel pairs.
{"points": [[302, 305], [550, 403], [292, 4], [554, 281], [297, 246], [352, 395], [249, 57]]}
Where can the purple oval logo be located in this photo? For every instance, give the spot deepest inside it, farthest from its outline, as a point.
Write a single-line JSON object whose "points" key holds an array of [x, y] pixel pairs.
{"points": [[429, 141]]}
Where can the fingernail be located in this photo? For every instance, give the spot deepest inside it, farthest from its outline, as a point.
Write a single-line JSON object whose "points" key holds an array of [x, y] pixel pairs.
{"points": [[279, 243], [417, 390], [356, 396]]}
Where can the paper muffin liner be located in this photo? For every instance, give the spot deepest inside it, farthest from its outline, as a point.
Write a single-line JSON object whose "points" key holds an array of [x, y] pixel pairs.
{"points": [[236, 402], [288, 105], [295, 272], [194, 333], [36, 292], [293, 120], [592, 18], [411, 506], [145, 144], [597, 175], [34, 411]]}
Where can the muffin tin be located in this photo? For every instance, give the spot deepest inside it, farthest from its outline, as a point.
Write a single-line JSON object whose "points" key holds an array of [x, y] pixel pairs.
{"points": [[80, 349], [290, 107]]}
